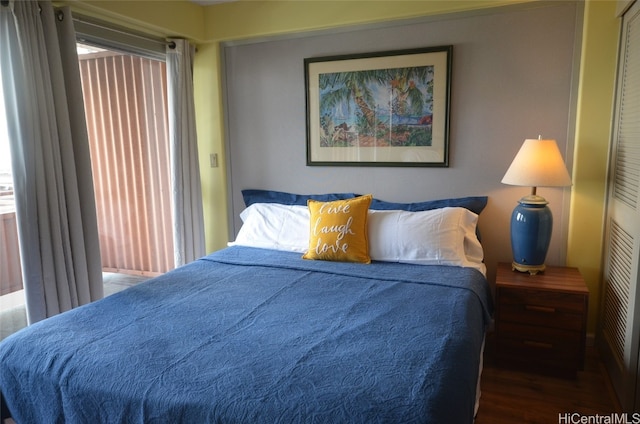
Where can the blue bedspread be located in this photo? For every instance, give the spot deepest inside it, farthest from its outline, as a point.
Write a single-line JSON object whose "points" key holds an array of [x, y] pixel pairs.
{"points": [[248, 335]]}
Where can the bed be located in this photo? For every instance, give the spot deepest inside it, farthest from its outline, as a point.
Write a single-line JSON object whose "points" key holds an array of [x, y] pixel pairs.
{"points": [[260, 334]]}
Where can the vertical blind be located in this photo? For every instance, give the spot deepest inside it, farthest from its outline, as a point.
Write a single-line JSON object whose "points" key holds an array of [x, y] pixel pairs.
{"points": [[125, 102]]}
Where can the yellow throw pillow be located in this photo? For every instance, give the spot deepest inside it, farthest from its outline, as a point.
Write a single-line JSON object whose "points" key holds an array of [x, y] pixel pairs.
{"points": [[338, 230]]}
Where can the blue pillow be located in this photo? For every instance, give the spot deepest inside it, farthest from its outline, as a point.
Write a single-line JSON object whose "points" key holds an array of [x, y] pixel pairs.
{"points": [[474, 204], [269, 196]]}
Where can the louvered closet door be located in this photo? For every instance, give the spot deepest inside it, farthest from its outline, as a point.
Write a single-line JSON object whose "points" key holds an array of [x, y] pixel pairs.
{"points": [[620, 320]]}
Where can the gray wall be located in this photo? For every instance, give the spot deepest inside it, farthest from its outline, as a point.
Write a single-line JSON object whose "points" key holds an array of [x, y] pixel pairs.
{"points": [[513, 76]]}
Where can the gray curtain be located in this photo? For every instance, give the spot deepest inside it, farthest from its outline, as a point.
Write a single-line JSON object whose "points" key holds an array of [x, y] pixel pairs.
{"points": [[188, 220], [53, 183]]}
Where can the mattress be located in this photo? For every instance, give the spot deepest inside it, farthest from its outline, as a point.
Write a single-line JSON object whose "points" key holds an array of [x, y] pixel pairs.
{"points": [[257, 335]]}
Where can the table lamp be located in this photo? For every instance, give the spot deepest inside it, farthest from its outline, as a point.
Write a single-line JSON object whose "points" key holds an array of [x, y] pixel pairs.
{"points": [[537, 164]]}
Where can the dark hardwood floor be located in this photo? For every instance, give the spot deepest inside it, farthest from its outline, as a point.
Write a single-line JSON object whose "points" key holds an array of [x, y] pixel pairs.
{"points": [[511, 396]]}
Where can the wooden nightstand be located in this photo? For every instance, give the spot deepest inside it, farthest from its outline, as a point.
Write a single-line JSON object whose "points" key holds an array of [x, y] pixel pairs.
{"points": [[541, 320]]}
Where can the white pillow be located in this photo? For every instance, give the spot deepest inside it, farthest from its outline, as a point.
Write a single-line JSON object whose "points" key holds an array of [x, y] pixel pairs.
{"points": [[445, 236], [274, 226]]}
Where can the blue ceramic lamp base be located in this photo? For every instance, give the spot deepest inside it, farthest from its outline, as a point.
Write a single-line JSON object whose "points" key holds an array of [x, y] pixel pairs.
{"points": [[531, 225]]}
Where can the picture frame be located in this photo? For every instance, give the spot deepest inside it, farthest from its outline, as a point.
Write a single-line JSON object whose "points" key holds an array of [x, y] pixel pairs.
{"points": [[386, 108]]}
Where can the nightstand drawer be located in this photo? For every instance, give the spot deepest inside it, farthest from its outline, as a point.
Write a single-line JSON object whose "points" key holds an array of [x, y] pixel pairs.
{"points": [[564, 302], [552, 350], [535, 338], [549, 350], [543, 315]]}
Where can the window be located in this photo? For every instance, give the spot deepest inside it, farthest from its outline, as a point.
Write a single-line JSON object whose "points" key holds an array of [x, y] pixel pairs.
{"points": [[124, 85], [12, 312], [127, 121]]}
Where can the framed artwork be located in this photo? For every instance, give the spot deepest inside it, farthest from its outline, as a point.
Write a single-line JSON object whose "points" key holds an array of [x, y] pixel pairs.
{"points": [[379, 109]]}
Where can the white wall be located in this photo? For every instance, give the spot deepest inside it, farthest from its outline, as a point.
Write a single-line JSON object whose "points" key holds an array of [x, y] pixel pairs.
{"points": [[512, 79]]}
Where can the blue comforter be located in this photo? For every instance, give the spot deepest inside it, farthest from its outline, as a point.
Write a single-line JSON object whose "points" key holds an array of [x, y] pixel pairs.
{"points": [[249, 335]]}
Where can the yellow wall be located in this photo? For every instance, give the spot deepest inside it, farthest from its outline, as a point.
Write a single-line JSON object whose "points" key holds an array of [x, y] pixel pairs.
{"points": [[208, 104], [595, 103], [211, 25]]}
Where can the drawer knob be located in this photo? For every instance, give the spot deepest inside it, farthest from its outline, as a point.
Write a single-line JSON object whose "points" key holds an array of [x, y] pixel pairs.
{"points": [[536, 308], [541, 345]]}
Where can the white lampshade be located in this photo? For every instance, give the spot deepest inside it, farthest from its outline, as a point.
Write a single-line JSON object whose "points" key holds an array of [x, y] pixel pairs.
{"points": [[538, 164]]}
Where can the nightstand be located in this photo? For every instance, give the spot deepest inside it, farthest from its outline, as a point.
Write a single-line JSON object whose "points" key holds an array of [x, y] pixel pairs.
{"points": [[541, 320]]}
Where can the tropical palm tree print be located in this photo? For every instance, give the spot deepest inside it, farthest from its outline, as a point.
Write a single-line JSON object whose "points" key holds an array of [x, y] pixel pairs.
{"points": [[382, 107]]}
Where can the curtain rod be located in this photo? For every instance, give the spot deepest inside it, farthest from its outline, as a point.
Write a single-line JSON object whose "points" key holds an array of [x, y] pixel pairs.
{"points": [[112, 28], [120, 30]]}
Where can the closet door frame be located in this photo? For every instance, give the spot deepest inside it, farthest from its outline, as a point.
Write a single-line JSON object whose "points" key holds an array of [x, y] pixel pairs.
{"points": [[619, 335]]}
